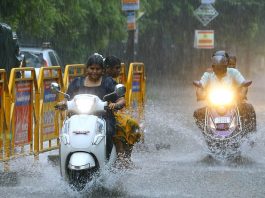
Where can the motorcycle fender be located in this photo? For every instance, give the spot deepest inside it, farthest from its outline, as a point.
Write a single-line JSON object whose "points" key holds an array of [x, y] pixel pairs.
{"points": [[81, 161]]}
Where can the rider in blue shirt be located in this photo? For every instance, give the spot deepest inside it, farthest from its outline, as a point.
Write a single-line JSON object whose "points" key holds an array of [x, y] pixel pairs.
{"points": [[95, 83]]}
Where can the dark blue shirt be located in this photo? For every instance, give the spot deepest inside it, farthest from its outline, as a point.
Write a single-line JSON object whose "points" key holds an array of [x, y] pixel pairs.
{"points": [[107, 86]]}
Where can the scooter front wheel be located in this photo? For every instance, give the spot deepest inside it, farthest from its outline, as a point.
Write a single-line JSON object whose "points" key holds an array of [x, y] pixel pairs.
{"points": [[79, 178]]}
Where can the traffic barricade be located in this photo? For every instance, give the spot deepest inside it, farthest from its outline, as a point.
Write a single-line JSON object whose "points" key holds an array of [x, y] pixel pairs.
{"points": [[22, 113], [72, 71], [28, 120], [4, 106], [135, 94], [122, 78], [48, 124]]}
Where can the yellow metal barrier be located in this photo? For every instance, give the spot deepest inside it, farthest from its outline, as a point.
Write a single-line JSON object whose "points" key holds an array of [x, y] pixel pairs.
{"points": [[4, 105], [27, 117], [22, 113], [72, 71], [122, 78], [48, 123], [135, 94]]}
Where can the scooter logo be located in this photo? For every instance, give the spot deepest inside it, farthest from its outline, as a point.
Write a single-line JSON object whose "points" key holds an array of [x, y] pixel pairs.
{"points": [[81, 132]]}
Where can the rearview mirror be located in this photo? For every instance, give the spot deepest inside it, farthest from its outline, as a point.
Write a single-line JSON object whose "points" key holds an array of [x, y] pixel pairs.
{"points": [[55, 87], [247, 83], [197, 84], [120, 90]]}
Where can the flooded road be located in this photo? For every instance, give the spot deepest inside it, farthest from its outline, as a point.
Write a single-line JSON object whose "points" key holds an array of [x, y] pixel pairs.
{"points": [[184, 170], [173, 161]]}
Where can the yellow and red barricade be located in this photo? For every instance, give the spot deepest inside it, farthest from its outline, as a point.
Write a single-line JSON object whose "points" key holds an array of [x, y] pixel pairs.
{"points": [[29, 123], [135, 90], [24, 99], [122, 79], [73, 71], [49, 126], [4, 117]]}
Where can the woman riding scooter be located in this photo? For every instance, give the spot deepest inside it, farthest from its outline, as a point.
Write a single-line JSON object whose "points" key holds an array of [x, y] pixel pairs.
{"points": [[95, 83]]}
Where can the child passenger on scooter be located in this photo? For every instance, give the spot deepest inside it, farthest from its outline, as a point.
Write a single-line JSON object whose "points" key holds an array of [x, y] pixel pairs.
{"points": [[93, 82], [126, 127]]}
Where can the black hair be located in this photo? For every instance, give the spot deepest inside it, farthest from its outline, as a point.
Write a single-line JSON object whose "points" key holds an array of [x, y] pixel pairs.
{"points": [[96, 59], [111, 61]]}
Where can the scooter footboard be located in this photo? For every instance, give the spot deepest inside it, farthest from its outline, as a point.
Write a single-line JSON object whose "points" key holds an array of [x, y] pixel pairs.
{"points": [[81, 161]]}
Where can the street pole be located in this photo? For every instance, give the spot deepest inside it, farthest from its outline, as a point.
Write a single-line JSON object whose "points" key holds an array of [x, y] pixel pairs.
{"points": [[130, 46], [130, 7]]}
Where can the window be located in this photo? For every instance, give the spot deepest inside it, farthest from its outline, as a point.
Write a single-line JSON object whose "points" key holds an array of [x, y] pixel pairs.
{"points": [[54, 61]]}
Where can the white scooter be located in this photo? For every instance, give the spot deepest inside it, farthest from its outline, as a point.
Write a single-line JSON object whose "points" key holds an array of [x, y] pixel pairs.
{"points": [[83, 137]]}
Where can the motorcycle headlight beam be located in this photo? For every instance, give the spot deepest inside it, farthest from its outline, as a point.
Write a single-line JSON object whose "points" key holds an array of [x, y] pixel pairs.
{"points": [[221, 96]]}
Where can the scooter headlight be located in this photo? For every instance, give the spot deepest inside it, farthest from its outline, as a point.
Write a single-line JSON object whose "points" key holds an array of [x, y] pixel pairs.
{"points": [[84, 104], [221, 96]]}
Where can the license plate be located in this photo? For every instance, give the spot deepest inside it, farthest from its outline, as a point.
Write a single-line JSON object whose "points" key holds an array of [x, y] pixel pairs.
{"points": [[222, 120]]}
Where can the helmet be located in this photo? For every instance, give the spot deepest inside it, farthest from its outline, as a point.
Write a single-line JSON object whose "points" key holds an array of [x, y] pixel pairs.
{"points": [[221, 53], [96, 59], [220, 58], [220, 62]]}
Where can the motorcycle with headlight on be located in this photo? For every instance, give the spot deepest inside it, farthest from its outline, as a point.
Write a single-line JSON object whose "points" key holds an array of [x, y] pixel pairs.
{"points": [[82, 150], [223, 128]]}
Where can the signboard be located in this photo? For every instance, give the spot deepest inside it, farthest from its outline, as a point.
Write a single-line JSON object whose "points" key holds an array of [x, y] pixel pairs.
{"points": [[205, 13], [23, 113], [129, 5], [204, 39], [48, 110], [131, 21]]}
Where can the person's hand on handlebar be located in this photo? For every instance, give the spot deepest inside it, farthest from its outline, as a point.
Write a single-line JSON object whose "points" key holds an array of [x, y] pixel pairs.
{"points": [[112, 106], [118, 105], [61, 105]]}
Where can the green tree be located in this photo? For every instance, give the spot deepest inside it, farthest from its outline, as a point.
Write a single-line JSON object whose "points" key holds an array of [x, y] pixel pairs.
{"points": [[75, 28]]}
